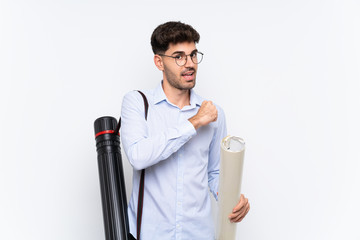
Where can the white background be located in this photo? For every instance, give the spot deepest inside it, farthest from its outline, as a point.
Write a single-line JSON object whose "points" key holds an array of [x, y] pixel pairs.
{"points": [[286, 72]]}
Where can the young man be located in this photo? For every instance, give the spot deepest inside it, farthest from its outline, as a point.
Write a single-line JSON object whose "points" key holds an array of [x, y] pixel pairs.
{"points": [[178, 144]]}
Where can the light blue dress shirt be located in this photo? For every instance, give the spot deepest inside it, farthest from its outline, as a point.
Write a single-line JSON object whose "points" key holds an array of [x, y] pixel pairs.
{"points": [[181, 163]]}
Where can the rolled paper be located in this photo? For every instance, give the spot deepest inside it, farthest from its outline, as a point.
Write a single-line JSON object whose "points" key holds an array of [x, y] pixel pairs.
{"points": [[231, 169]]}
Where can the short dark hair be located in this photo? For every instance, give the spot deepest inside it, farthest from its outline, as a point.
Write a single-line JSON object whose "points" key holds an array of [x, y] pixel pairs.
{"points": [[172, 32]]}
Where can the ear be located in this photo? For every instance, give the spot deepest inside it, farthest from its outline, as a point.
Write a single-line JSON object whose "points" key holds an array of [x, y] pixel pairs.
{"points": [[158, 62]]}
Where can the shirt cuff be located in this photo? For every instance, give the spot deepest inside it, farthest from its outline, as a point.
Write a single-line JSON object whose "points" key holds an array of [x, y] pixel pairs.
{"points": [[187, 129]]}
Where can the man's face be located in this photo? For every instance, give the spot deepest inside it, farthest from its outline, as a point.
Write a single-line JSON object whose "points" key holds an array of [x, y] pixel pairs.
{"points": [[180, 77]]}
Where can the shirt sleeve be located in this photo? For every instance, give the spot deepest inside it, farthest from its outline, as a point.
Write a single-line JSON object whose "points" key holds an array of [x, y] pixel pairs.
{"points": [[214, 153], [141, 149]]}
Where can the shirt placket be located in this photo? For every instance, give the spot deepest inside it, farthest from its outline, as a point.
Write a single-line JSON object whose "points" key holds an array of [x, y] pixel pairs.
{"points": [[179, 190]]}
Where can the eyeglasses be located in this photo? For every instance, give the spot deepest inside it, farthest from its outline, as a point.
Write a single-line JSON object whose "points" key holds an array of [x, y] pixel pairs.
{"points": [[181, 58]]}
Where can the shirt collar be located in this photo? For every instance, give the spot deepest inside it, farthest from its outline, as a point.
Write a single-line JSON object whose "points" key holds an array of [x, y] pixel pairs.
{"points": [[160, 96], [194, 99]]}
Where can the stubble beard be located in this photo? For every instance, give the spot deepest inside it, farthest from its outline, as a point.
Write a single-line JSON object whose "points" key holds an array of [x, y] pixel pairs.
{"points": [[175, 81]]}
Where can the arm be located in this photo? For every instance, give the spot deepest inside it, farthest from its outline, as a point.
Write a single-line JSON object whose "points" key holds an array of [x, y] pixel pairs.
{"points": [[141, 149], [243, 206], [214, 153]]}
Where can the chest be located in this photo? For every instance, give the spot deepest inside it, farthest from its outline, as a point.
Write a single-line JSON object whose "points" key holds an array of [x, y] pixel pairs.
{"points": [[162, 118]]}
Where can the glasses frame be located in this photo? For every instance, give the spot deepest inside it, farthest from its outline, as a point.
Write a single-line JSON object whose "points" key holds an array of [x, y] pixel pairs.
{"points": [[186, 55]]}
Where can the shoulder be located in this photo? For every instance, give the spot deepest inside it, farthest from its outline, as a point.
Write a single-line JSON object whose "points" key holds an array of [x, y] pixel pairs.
{"points": [[135, 97], [221, 121], [132, 98]]}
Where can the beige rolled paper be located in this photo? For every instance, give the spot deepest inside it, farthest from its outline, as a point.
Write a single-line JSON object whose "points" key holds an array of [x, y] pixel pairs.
{"points": [[231, 169]]}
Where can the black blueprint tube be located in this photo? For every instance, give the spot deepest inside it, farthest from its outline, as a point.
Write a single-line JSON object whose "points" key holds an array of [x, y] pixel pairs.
{"points": [[112, 183]]}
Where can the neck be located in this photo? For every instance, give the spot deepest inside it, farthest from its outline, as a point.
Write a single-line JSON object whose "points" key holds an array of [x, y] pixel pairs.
{"points": [[176, 96]]}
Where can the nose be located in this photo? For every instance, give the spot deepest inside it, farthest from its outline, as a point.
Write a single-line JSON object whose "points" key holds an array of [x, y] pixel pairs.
{"points": [[189, 62]]}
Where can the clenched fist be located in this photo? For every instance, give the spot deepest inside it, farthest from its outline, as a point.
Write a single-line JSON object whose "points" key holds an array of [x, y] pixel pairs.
{"points": [[206, 114]]}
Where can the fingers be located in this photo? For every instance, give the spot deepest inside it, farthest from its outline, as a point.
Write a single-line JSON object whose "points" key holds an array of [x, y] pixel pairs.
{"points": [[238, 216], [209, 111], [241, 216], [241, 204], [206, 114], [240, 210]]}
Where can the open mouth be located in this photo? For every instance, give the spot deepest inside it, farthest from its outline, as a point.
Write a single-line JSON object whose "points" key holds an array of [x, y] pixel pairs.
{"points": [[189, 75]]}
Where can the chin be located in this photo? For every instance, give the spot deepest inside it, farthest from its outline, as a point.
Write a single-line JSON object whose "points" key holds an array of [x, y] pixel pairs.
{"points": [[189, 85]]}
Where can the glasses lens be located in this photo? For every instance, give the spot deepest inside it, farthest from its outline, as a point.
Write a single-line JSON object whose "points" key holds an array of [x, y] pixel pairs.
{"points": [[180, 59], [197, 57]]}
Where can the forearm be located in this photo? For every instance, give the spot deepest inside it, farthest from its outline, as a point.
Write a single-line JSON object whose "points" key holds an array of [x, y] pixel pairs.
{"points": [[146, 150]]}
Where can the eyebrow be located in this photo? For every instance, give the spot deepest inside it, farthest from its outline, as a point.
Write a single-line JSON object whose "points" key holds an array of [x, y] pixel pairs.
{"points": [[180, 52]]}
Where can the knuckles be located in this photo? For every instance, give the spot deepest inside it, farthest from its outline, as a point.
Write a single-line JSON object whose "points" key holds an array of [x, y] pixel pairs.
{"points": [[208, 112]]}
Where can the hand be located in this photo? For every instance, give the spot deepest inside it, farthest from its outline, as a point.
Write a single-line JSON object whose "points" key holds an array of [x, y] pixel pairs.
{"points": [[240, 210], [206, 114]]}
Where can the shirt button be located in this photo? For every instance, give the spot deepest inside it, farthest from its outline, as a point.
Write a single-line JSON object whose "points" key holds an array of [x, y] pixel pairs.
{"points": [[179, 203], [178, 225]]}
